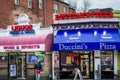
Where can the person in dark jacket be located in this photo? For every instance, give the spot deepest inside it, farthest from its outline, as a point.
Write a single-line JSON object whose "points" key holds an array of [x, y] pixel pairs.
{"points": [[38, 68]]}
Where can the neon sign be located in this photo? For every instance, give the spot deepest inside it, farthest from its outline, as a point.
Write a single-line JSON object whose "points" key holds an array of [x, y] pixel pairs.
{"points": [[22, 29], [84, 15]]}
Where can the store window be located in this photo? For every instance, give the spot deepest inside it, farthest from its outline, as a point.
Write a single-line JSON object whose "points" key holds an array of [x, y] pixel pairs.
{"points": [[107, 60], [40, 4], [69, 59], [29, 3], [33, 58], [3, 58], [56, 8], [17, 2]]}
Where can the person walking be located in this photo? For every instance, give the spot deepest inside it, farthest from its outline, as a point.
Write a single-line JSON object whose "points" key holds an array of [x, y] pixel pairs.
{"points": [[38, 68]]}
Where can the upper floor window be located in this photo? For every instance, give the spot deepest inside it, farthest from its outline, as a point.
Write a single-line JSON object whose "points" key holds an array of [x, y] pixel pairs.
{"points": [[30, 20], [16, 18], [17, 2], [29, 3], [41, 23], [64, 10], [56, 8], [40, 4]]}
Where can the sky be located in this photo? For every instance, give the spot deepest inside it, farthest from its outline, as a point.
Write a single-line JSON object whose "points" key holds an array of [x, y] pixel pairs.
{"points": [[115, 4]]}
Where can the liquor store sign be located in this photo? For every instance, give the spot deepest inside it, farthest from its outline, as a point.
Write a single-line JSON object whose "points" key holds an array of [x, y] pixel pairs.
{"points": [[28, 47], [23, 26], [84, 15]]}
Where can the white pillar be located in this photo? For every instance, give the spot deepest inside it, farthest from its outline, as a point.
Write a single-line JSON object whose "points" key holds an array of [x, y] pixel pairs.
{"points": [[53, 67], [96, 62], [115, 62]]}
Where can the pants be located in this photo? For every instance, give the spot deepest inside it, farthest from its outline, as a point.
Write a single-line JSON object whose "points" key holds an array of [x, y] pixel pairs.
{"points": [[37, 76]]}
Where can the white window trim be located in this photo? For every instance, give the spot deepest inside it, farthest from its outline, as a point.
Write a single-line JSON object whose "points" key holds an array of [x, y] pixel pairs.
{"points": [[30, 20], [40, 4], [64, 9], [30, 4], [16, 18], [17, 2], [56, 8]]}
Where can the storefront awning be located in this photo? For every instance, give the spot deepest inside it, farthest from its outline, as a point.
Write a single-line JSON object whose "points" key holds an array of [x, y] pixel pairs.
{"points": [[38, 42], [87, 39]]}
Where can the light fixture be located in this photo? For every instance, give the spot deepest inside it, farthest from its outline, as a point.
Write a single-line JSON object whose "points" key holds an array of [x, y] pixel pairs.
{"points": [[79, 33], [65, 34], [95, 33]]}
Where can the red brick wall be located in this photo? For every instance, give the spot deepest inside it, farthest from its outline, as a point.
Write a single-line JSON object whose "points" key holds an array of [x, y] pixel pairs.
{"points": [[5, 11], [8, 10], [61, 6], [71, 10], [49, 12]]}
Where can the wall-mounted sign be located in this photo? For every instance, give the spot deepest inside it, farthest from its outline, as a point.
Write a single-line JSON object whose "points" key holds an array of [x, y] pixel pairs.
{"points": [[27, 47], [22, 29], [84, 15]]}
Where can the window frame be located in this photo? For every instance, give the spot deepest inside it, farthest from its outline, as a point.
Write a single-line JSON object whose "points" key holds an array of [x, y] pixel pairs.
{"points": [[30, 4], [30, 20], [40, 4], [64, 9], [17, 2], [16, 18], [56, 8]]}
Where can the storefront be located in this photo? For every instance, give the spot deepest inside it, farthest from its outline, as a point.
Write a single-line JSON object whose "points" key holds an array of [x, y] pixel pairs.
{"points": [[89, 44], [21, 47]]}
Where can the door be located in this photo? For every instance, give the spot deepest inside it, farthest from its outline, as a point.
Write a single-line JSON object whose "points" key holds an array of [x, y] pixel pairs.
{"points": [[86, 65], [21, 68], [107, 65], [12, 64]]}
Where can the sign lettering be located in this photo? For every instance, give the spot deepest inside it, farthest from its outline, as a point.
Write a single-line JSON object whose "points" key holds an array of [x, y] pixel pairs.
{"points": [[84, 15]]}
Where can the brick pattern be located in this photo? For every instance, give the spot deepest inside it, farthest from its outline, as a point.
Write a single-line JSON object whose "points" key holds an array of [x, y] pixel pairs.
{"points": [[8, 10]]}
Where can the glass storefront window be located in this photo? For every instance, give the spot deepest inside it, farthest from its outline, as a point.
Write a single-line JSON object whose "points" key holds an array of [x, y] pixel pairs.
{"points": [[107, 60], [3, 59], [69, 58]]}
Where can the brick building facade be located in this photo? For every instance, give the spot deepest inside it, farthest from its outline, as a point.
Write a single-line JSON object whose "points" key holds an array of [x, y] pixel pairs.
{"points": [[38, 11]]}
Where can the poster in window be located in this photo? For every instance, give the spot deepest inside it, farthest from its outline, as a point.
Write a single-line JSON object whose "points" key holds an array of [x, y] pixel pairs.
{"points": [[33, 58], [56, 62], [12, 70], [68, 60]]}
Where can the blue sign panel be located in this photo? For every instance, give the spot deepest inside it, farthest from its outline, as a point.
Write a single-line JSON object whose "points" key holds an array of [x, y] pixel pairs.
{"points": [[87, 39], [16, 32]]}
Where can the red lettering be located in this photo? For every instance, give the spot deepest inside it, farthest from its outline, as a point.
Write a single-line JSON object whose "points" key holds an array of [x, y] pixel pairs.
{"points": [[56, 17], [105, 14], [22, 27], [110, 14], [9, 47], [92, 14], [97, 14], [100, 14], [82, 15], [87, 14]]}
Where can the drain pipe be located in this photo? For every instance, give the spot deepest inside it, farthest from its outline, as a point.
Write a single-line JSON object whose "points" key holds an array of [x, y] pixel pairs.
{"points": [[45, 13]]}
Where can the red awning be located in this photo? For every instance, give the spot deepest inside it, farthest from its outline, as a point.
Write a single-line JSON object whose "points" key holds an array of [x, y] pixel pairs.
{"points": [[45, 39]]}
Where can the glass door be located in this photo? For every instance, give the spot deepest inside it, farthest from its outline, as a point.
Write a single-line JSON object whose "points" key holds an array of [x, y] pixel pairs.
{"points": [[84, 65], [107, 65], [87, 64], [12, 64], [21, 67]]}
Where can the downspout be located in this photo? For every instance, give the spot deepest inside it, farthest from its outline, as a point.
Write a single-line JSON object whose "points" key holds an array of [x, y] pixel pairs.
{"points": [[45, 13]]}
